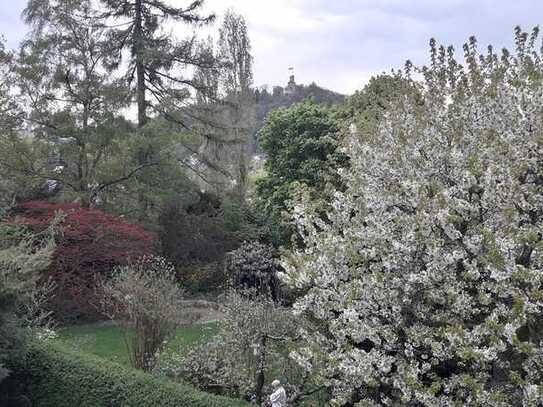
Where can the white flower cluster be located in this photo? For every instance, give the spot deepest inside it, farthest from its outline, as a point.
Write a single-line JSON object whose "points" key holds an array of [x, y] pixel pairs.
{"points": [[46, 334], [426, 278]]}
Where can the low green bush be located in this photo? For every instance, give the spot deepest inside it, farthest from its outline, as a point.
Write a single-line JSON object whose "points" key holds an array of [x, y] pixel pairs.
{"points": [[55, 377]]}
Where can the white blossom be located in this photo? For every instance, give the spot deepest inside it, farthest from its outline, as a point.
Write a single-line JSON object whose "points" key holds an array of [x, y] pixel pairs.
{"points": [[426, 282]]}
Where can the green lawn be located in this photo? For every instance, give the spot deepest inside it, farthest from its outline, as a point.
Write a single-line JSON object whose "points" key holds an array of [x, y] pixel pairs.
{"points": [[108, 341]]}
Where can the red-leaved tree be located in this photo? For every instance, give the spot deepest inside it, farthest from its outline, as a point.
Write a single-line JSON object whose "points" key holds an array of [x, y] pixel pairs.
{"points": [[90, 245]]}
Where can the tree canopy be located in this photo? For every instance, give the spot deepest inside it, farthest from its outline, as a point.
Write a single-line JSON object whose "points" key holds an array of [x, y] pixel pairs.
{"points": [[301, 147], [157, 62], [425, 280]]}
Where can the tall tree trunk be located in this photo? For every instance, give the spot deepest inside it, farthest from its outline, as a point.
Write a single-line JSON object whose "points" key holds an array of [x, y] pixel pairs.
{"points": [[139, 49], [140, 67]]}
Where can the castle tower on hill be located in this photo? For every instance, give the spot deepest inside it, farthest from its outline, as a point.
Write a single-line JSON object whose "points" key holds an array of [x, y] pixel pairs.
{"points": [[291, 86]]}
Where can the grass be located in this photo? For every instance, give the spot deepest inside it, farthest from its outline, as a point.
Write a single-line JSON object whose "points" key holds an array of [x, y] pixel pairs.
{"points": [[108, 341]]}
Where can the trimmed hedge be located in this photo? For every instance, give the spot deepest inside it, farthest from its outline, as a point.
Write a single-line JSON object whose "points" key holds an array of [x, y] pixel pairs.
{"points": [[55, 377]]}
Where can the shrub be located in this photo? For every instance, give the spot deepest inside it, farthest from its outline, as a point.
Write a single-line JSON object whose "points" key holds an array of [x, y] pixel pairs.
{"points": [[91, 244], [54, 377], [254, 266], [252, 346], [195, 236], [194, 232], [22, 257], [145, 298]]}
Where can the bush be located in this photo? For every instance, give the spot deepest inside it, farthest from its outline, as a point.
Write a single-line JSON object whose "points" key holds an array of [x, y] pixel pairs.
{"points": [[254, 266], [146, 298], [54, 377], [22, 257], [196, 233], [91, 244]]}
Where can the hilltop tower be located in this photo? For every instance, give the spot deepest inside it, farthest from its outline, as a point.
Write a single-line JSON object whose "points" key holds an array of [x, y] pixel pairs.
{"points": [[291, 86]]}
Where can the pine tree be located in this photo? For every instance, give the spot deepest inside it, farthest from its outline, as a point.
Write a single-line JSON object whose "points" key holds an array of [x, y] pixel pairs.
{"points": [[157, 59], [73, 105]]}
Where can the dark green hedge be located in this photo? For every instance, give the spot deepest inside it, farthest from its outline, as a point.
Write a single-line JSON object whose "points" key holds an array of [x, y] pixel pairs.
{"points": [[54, 377]]}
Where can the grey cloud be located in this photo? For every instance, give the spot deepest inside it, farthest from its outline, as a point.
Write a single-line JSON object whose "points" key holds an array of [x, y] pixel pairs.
{"points": [[11, 26], [341, 43], [376, 36]]}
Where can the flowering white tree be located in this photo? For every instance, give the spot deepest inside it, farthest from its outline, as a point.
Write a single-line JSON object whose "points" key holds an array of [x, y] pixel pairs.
{"points": [[252, 344], [425, 281]]}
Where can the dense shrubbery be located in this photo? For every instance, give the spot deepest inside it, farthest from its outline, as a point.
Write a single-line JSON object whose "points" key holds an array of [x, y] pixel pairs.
{"points": [[193, 234], [90, 245], [196, 235], [22, 257], [254, 266], [53, 377]]}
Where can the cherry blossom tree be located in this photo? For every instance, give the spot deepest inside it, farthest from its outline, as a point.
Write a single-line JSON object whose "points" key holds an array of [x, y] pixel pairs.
{"points": [[425, 280], [251, 348]]}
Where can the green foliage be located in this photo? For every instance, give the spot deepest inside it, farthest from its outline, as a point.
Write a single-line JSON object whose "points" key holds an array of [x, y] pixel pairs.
{"points": [[72, 103], [301, 147], [22, 256], [240, 219], [54, 377], [156, 150], [9, 121], [197, 230], [268, 102]]}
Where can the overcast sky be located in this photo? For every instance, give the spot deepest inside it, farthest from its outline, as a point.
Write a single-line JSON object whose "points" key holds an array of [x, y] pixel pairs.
{"points": [[340, 44]]}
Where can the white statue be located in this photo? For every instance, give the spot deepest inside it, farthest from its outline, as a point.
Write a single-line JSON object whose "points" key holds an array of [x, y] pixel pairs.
{"points": [[279, 396]]}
